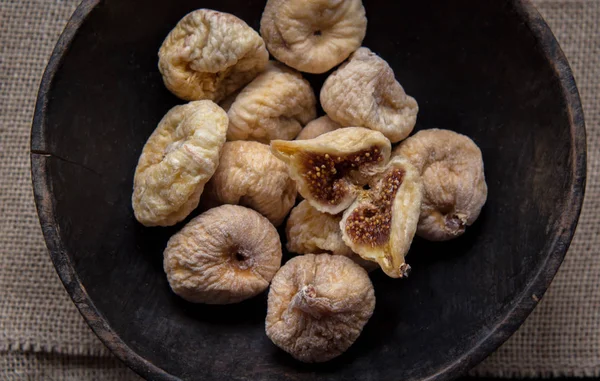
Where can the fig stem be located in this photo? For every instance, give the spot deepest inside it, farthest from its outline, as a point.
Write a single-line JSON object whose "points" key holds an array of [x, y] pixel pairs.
{"points": [[455, 223], [306, 300], [405, 270]]}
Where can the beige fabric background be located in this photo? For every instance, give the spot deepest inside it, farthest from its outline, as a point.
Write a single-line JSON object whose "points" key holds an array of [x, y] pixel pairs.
{"points": [[42, 336]]}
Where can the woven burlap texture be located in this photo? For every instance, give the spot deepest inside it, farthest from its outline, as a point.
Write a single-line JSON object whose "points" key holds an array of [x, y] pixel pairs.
{"points": [[42, 336], [20, 366]]}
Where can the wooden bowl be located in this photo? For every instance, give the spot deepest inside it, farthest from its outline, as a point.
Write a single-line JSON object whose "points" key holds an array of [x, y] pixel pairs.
{"points": [[489, 69]]}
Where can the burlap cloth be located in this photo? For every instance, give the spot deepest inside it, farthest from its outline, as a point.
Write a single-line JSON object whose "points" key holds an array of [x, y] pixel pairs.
{"points": [[42, 336]]}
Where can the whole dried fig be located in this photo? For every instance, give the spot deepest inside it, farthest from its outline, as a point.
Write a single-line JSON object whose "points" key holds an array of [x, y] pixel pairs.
{"points": [[381, 223], [364, 92], [250, 175], [317, 127], [177, 161], [451, 167], [313, 36], [310, 231], [209, 55], [225, 255], [275, 105], [318, 306], [330, 169]]}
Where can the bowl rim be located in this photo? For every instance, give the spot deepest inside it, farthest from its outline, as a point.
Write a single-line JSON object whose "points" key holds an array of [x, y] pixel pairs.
{"points": [[522, 306]]}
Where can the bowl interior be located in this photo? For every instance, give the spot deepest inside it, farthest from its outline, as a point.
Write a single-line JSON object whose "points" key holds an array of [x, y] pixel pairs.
{"points": [[475, 67]]}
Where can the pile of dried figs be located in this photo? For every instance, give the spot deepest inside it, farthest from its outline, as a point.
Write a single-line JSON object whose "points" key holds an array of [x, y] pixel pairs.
{"points": [[250, 145]]}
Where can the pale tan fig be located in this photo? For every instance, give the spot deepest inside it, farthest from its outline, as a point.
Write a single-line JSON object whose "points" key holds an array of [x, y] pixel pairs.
{"points": [[317, 127], [250, 175], [225, 255], [313, 36], [275, 105], [381, 223], [451, 167], [310, 231], [318, 306], [364, 92], [177, 161], [209, 55], [330, 169]]}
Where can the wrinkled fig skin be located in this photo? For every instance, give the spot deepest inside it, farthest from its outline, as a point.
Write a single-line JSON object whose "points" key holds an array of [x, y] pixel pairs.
{"points": [[177, 161], [310, 231], [331, 168], [250, 175], [318, 306], [313, 36], [381, 223], [223, 256], [318, 127], [275, 105], [209, 55], [451, 167], [364, 92]]}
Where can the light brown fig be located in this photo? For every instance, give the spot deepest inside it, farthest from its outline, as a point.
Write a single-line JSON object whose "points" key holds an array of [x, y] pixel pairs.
{"points": [[330, 169], [250, 175], [313, 36], [364, 92], [318, 306], [317, 127], [310, 231], [275, 105], [381, 223], [225, 255], [177, 161], [209, 55], [454, 187]]}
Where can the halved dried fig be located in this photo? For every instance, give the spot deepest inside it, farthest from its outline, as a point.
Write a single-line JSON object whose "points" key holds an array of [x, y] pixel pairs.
{"points": [[451, 167], [364, 92], [275, 105], [177, 161], [331, 168], [381, 223], [317, 127], [313, 36], [225, 255], [311, 231], [318, 306], [209, 55], [250, 175]]}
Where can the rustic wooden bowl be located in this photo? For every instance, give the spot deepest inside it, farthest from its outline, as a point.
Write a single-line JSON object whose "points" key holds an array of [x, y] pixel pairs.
{"points": [[489, 69]]}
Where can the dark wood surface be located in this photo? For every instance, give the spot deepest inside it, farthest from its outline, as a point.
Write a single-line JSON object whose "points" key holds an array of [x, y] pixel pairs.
{"points": [[527, 379], [489, 69]]}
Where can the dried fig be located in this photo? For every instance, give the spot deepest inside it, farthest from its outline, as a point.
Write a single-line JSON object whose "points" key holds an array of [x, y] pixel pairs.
{"points": [[381, 223], [250, 175], [318, 306], [330, 169], [317, 127], [364, 92], [310, 231], [225, 255], [454, 188], [209, 55], [313, 36], [177, 161], [275, 105]]}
